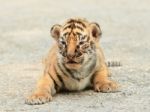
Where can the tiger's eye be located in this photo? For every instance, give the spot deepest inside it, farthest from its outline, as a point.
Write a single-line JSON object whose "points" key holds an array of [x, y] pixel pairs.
{"points": [[85, 46], [78, 46], [63, 42], [81, 42]]}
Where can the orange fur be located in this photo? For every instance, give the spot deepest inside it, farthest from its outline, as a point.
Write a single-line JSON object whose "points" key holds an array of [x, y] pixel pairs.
{"points": [[58, 74]]}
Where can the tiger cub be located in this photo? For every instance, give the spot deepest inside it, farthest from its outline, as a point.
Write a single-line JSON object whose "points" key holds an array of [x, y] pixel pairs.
{"points": [[74, 63]]}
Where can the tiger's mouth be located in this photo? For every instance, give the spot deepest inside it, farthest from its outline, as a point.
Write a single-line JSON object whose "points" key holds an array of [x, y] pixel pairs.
{"points": [[72, 62]]}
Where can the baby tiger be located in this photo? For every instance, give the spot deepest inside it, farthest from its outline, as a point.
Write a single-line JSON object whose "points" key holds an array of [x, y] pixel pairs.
{"points": [[74, 63]]}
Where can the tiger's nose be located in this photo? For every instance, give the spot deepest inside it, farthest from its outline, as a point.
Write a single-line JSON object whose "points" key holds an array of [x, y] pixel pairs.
{"points": [[70, 56]]}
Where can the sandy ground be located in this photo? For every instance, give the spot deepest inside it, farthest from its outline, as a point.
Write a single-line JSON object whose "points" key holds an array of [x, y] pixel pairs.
{"points": [[25, 40]]}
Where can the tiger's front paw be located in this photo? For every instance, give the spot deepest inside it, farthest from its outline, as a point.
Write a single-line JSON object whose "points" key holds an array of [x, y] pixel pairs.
{"points": [[108, 86], [38, 98]]}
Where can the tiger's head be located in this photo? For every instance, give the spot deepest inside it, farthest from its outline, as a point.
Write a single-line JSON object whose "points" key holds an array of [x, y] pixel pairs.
{"points": [[76, 40]]}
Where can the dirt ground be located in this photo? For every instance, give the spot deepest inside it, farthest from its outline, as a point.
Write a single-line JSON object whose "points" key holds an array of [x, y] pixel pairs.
{"points": [[25, 41]]}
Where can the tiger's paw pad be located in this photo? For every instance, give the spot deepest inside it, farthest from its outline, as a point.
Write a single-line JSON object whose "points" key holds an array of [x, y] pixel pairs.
{"points": [[106, 87], [38, 99]]}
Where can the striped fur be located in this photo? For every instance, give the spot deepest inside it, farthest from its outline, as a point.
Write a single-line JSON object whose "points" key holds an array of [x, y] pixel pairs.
{"points": [[74, 63]]}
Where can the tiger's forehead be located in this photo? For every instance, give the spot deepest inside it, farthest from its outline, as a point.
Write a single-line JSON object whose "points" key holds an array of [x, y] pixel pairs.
{"points": [[80, 21], [78, 26]]}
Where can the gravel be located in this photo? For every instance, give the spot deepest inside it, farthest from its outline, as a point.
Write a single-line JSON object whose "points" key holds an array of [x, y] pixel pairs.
{"points": [[25, 41]]}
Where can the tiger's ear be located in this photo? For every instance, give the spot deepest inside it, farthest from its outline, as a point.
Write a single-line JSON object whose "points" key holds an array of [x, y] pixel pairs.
{"points": [[55, 31], [95, 31]]}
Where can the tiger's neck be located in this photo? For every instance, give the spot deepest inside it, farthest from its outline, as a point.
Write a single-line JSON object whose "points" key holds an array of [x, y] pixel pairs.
{"points": [[87, 68]]}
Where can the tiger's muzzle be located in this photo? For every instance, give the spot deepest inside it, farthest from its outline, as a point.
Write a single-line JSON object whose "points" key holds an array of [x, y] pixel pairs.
{"points": [[73, 62]]}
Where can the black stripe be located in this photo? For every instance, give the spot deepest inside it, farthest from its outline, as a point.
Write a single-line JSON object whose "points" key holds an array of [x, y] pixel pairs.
{"points": [[71, 20], [88, 38], [79, 28], [92, 66], [97, 25], [76, 21], [65, 34], [59, 77], [69, 71], [55, 84], [62, 69], [72, 26], [79, 22], [78, 33], [71, 74], [69, 26]]}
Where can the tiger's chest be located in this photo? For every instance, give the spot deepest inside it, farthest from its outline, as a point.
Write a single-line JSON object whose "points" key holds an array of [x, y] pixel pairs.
{"points": [[79, 79], [76, 85]]}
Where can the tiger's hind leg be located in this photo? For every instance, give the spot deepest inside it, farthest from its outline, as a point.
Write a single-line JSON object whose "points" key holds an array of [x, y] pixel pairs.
{"points": [[43, 93]]}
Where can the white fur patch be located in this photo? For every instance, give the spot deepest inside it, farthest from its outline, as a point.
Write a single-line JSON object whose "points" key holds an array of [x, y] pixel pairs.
{"points": [[73, 84]]}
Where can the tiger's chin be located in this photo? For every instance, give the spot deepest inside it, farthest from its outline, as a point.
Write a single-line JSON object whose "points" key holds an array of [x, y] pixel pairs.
{"points": [[74, 66]]}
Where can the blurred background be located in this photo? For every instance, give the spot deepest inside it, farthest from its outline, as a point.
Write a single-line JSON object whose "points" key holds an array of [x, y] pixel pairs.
{"points": [[25, 40], [25, 25]]}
